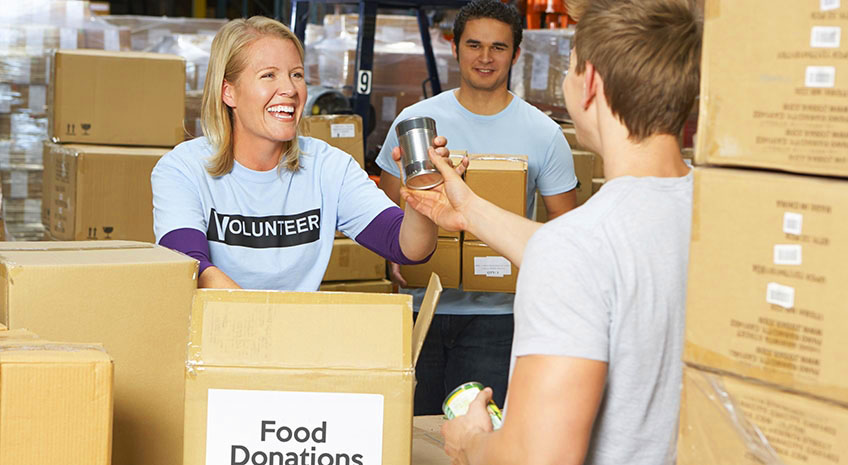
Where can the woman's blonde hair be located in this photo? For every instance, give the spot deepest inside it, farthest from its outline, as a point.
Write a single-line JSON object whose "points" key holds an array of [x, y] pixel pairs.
{"points": [[227, 60]]}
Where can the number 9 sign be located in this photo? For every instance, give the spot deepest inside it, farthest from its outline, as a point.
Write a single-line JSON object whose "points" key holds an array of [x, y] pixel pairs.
{"points": [[363, 82]]}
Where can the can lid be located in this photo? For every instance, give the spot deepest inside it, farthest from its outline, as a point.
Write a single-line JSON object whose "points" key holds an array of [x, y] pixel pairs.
{"points": [[416, 122]]}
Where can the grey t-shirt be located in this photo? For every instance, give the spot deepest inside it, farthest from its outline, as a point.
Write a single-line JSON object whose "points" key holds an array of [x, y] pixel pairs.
{"points": [[607, 282]]}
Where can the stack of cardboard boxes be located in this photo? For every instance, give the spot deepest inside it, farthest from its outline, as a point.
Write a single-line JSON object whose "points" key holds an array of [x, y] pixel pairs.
{"points": [[765, 380], [462, 258], [112, 115]]}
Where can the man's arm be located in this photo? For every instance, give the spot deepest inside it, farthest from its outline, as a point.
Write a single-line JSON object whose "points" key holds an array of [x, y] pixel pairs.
{"points": [[558, 204], [553, 401]]}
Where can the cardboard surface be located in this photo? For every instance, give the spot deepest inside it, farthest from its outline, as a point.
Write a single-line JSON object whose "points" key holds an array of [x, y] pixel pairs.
{"points": [[341, 365], [427, 441], [484, 270], [584, 168], [55, 402], [500, 179], [99, 192], [350, 261], [725, 420], [781, 99], [132, 297], [341, 131], [765, 279], [382, 286], [117, 98], [445, 262]]}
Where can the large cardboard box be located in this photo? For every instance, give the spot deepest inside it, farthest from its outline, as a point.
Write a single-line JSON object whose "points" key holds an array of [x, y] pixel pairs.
{"points": [[116, 98], [428, 445], [445, 262], [379, 286], [484, 270], [725, 420], [280, 374], [350, 261], [780, 100], [341, 131], [99, 192], [766, 267], [132, 297], [500, 179], [55, 402]]}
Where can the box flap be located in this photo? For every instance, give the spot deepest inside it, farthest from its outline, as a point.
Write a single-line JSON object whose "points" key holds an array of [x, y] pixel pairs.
{"points": [[73, 245], [95, 253], [121, 54], [498, 162], [16, 334], [28, 350], [300, 330], [108, 150], [425, 315]]}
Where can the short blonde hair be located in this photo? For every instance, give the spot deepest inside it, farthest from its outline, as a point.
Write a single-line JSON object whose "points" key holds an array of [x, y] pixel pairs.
{"points": [[227, 60]]}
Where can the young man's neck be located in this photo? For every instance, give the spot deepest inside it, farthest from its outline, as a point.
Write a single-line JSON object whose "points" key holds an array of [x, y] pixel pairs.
{"points": [[656, 156], [483, 102]]}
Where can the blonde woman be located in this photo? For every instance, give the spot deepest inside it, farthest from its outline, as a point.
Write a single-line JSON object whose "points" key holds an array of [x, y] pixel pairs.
{"points": [[257, 204]]}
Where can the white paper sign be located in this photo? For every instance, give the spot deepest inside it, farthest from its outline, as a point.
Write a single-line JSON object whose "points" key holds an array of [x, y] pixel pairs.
{"points": [[779, 294], [493, 267], [827, 5], [539, 76], [820, 76], [792, 223], [342, 130], [825, 36], [787, 254], [248, 427]]}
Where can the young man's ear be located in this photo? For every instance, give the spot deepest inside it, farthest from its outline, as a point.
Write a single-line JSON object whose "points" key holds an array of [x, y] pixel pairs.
{"points": [[591, 83], [517, 54], [227, 94], [454, 50]]}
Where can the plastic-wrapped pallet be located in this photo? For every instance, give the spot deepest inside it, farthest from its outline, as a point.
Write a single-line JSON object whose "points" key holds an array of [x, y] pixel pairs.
{"points": [[29, 30], [537, 75]]}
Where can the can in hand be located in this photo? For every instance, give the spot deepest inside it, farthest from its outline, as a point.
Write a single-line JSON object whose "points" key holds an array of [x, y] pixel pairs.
{"points": [[457, 402], [415, 137]]}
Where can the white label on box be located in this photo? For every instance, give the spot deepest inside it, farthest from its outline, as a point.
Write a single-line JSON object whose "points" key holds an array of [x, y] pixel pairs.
{"points": [[492, 267], [5, 98], [68, 38], [34, 40], [37, 98], [820, 76], [792, 223], [825, 36], [787, 254], [342, 130], [18, 179], [829, 5], [779, 294], [111, 40], [539, 76], [253, 427], [389, 108]]}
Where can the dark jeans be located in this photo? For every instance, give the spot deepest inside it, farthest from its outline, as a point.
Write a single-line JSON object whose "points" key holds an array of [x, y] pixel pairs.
{"points": [[462, 348]]}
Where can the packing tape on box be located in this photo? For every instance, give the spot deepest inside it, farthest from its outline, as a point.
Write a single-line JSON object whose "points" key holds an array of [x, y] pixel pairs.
{"points": [[488, 158], [53, 347]]}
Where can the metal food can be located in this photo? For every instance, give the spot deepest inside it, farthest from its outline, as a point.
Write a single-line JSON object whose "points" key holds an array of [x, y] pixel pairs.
{"points": [[415, 137], [457, 402]]}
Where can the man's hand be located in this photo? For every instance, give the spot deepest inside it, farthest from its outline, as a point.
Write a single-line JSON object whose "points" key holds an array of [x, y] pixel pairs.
{"points": [[459, 431], [395, 275], [444, 204]]}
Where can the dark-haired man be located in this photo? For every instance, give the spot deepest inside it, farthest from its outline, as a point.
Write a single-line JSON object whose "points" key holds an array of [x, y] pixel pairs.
{"points": [[471, 334]]}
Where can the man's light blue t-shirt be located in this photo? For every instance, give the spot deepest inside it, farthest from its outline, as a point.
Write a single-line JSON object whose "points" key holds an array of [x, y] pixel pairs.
{"points": [[519, 129], [266, 229]]}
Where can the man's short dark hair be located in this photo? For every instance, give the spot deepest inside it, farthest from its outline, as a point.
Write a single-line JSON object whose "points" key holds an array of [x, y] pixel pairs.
{"points": [[494, 9]]}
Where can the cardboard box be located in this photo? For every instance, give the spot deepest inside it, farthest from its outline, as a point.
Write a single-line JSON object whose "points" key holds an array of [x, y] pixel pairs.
{"points": [[278, 374], [781, 100], [353, 262], [597, 183], [725, 420], [500, 179], [445, 262], [55, 402], [765, 279], [584, 168], [427, 442], [117, 98], [132, 297], [341, 131], [484, 270], [380, 286], [99, 192]]}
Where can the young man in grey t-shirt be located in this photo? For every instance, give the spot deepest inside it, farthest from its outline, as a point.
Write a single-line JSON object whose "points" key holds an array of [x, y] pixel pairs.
{"points": [[599, 310]]}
